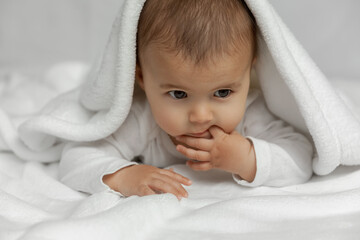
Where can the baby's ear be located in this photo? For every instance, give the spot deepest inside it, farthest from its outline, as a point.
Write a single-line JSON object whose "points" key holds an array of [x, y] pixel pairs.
{"points": [[139, 76]]}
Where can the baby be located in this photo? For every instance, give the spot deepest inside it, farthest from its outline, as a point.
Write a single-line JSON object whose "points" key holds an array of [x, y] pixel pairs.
{"points": [[194, 66]]}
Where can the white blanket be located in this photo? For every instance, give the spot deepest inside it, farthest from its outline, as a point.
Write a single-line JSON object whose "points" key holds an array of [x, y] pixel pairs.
{"points": [[34, 205]]}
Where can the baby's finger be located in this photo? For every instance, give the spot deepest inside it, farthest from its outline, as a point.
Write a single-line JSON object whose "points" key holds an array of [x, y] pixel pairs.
{"points": [[175, 183], [167, 185], [178, 177], [216, 132], [197, 143], [199, 166], [194, 154], [145, 190]]}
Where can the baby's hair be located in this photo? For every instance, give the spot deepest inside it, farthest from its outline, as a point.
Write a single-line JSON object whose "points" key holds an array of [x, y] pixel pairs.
{"points": [[197, 29]]}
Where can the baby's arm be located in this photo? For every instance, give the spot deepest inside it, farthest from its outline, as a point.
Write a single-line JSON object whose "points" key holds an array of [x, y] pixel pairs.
{"points": [[283, 156], [83, 165], [105, 164], [98, 166]]}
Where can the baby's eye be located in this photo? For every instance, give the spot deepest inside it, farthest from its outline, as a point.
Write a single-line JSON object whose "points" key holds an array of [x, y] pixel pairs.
{"points": [[176, 94], [222, 93]]}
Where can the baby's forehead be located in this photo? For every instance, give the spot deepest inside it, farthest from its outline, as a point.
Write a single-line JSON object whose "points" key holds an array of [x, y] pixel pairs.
{"points": [[173, 65], [165, 55]]}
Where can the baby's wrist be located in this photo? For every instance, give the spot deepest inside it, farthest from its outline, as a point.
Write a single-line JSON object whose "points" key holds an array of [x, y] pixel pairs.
{"points": [[113, 179], [247, 170]]}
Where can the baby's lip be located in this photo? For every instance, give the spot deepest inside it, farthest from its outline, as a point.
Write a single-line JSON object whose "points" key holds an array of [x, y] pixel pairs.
{"points": [[204, 134]]}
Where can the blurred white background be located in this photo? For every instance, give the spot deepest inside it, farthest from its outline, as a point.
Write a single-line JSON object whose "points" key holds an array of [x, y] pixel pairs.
{"points": [[39, 33]]}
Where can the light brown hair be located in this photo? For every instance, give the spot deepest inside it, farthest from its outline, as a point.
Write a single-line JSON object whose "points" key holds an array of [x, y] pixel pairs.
{"points": [[197, 29]]}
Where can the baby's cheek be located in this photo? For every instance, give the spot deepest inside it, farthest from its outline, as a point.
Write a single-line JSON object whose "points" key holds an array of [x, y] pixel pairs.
{"points": [[230, 123], [169, 122]]}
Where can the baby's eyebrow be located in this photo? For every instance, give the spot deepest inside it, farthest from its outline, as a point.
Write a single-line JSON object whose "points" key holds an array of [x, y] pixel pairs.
{"points": [[169, 85], [234, 84], [230, 85]]}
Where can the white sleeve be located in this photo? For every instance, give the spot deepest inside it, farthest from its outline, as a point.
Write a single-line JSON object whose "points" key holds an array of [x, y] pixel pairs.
{"points": [[283, 156], [83, 165]]}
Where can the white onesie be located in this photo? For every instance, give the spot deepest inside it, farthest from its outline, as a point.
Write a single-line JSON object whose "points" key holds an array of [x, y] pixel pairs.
{"points": [[283, 157]]}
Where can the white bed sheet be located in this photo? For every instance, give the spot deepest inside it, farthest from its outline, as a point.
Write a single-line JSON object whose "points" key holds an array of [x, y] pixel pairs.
{"points": [[35, 205]]}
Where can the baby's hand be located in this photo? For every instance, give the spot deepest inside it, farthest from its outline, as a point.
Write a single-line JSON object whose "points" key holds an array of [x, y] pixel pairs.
{"points": [[144, 180], [229, 152]]}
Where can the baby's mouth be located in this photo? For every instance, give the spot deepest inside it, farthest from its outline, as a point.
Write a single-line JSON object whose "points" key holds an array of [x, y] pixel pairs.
{"points": [[204, 134]]}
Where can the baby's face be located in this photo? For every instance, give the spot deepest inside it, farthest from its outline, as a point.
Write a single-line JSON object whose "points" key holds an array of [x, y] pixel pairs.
{"points": [[186, 99]]}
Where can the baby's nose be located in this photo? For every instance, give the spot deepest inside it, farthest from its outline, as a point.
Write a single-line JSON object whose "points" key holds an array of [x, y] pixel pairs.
{"points": [[201, 114]]}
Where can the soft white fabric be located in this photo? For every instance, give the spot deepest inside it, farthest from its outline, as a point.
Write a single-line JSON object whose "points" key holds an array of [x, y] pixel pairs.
{"points": [[283, 157], [294, 89], [21, 97]]}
